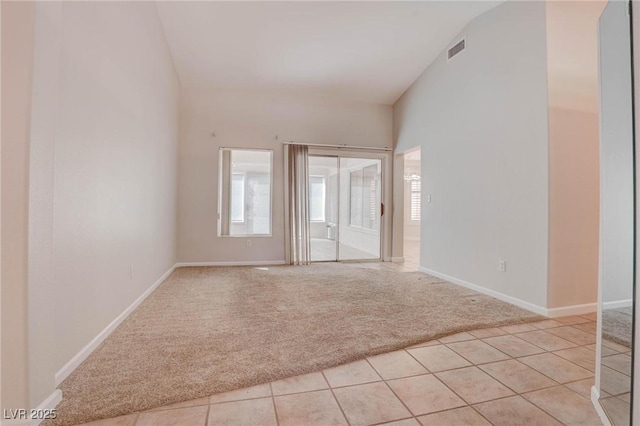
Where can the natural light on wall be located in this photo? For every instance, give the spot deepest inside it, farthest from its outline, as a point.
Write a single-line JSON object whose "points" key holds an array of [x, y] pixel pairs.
{"points": [[244, 202]]}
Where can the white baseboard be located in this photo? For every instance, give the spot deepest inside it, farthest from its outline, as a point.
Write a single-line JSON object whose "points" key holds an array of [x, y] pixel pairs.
{"points": [[397, 259], [74, 362], [48, 404], [595, 400], [618, 304], [551, 313], [247, 263], [565, 311], [501, 296]]}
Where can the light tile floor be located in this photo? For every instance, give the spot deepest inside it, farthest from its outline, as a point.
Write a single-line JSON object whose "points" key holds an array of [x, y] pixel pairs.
{"points": [[323, 250], [539, 373]]}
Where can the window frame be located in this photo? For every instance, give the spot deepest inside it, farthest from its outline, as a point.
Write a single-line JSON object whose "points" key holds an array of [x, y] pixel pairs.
{"points": [[221, 193]]}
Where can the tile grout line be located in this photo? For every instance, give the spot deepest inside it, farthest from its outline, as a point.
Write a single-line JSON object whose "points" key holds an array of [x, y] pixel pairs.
{"points": [[546, 375], [167, 408], [556, 383], [448, 387], [406, 377], [519, 338], [234, 400], [469, 403], [428, 371], [301, 392], [206, 419], [525, 399], [579, 365], [392, 391], [551, 335], [559, 384], [573, 341], [561, 358], [393, 421], [582, 396], [273, 403], [480, 363], [481, 415], [543, 410], [515, 392], [356, 384], [335, 398]]}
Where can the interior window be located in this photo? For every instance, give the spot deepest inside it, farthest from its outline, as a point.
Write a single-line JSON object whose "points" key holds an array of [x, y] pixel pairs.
{"points": [[237, 197], [245, 192], [317, 198]]}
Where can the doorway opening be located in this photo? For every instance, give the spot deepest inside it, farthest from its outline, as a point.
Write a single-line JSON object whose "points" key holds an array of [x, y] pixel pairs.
{"points": [[412, 208], [345, 208]]}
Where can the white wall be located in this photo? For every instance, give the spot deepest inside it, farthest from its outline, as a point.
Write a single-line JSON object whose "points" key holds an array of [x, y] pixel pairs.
{"points": [[573, 207], [572, 66], [17, 64], [104, 147], [252, 120], [481, 122]]}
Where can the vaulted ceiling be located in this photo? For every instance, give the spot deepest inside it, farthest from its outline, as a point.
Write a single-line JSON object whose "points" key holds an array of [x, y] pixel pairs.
{"points": [[361, 51]]}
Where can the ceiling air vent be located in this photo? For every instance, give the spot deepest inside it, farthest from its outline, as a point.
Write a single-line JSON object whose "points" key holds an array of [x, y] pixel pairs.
{"points": [[459, 47]]}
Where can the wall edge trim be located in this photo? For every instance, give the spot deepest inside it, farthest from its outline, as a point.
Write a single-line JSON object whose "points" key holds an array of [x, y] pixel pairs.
{"points": [[595, 400], [564, 311], [50, 403], [78, 358], [493, 293], [617, 304]]}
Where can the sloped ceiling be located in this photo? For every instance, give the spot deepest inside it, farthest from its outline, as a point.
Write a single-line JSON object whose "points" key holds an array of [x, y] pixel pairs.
{"points": [[360, 51]]}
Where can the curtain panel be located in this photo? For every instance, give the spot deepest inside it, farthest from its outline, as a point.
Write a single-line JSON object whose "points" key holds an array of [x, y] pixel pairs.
{"points": [[299, 228]]}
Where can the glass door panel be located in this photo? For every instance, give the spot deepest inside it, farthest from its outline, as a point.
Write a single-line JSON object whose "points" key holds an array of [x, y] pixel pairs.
{"points": [[323, 208], [359, 208]]}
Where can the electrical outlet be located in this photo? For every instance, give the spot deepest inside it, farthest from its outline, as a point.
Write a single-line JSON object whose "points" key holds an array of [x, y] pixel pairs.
{"points": [[502, 266], [249, 243]]}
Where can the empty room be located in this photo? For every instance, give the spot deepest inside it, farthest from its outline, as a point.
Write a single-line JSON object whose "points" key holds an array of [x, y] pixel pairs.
{"points": [[318, 213]]}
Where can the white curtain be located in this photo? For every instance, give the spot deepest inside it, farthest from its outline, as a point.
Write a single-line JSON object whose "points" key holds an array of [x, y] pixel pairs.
{"points": [[299, 229]]}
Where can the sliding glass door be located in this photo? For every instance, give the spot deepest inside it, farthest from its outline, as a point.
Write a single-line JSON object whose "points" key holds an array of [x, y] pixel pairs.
{"points": [[360, 209], [345, 208], [323, 208]]}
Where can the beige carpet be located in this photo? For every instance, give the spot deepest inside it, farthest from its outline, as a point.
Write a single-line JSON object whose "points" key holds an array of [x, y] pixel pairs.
{"points": [[210, 330], [617, 325]]}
